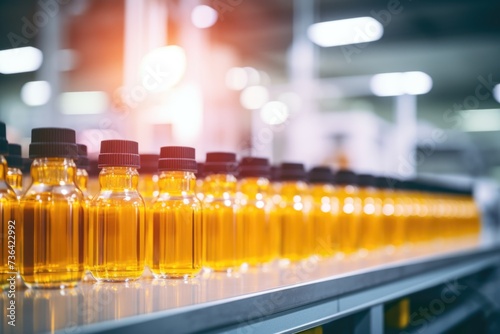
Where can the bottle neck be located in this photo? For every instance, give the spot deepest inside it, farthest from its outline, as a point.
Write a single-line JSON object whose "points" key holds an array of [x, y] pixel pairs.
{"points": [[118, 178], [219, 185], [177, 183], [82, 179], [3, 168], [53, 171], [251, 186]]}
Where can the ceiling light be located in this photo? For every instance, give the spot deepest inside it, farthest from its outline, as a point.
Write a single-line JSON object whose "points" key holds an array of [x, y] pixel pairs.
{"points": [[344, 32], [36, 93], [400, 83], [83, 103], [19, 60]]}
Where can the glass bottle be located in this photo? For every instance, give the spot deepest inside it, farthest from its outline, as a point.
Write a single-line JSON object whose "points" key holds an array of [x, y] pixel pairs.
{"points": [[292, 210], [219, 212], [148, 180], [9, 232], [14, 172], [117, 227], [371, 232], [52, 211], [324, 212], [253, 217], [350, 211], [175, 220]]}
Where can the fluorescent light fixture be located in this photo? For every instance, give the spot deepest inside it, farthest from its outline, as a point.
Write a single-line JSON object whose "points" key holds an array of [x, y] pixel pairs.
{"points": [[481, 120], [83, 103], [19, 60], [496, 93], [254, 97], [274, 113], [400, 83], [344, 32], [36, 93], [204, 16]]}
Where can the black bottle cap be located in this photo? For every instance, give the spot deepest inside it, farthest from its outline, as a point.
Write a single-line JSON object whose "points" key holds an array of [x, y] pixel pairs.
{"points": [[201, 170], [290, 171], [3, 139], [345, 177], [26, 166], [221, 163], [275, 173], [149, 163], [83, 161], [387, 182], [53, 143], [366, 180], [119, 153], [177, 158], [14, 159], [254, 167], [320, 174]]}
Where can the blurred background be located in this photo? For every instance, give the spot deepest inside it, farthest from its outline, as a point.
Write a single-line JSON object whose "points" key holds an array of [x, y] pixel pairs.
{"points": [[389, 86]]}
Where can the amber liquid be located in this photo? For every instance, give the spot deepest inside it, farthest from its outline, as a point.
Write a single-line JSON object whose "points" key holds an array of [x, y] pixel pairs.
{"points": [[15, 180], [393, 220], [292, 214], [117, 227], [325, 220], [350, 219], [175, 224], [371, 232], [51, 226], [82, 179], [253, 220], [148, 187], [9, 232], [219, 223]]}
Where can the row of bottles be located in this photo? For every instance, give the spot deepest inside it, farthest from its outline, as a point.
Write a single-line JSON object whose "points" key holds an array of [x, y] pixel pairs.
{"points": [[235, 214]]}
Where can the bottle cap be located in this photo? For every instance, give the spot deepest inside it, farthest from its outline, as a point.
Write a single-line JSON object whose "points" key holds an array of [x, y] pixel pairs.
{"points": [[345, 177], [53, 143], [27, 166], [320, 174], [290, 171], [366, 180], [14, 159], [221, 163], [3, 139], [275, 173], [149, 163], [201, 170], [177, 158], [83, 161], [387, 182], [119, 153], [254, 167]]}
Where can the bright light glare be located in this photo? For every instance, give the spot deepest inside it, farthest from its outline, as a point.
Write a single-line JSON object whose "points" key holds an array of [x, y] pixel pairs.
{"points": [[83, 103], [274, 113], [496, 93], [36, 93], [236, 78], [394, 84], [204, 16], [344, 32], [25, 59], [254, 97], [163, 68], [481, 120]]}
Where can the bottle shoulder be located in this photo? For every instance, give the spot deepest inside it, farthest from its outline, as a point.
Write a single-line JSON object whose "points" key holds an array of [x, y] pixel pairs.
{"points": [[115, 198], [6, 192]]}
